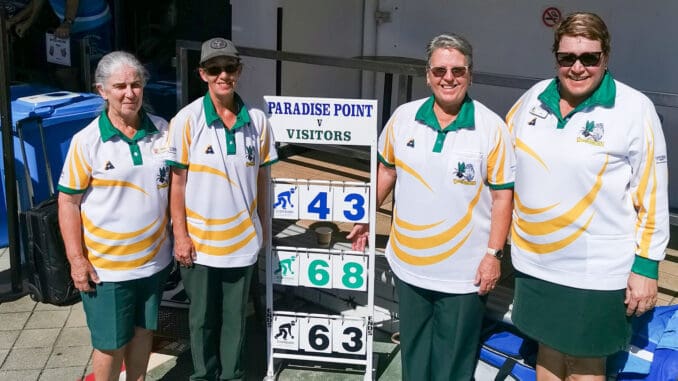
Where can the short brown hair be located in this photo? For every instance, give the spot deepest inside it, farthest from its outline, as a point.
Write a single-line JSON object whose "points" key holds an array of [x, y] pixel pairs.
{"points": [[584, 24]]}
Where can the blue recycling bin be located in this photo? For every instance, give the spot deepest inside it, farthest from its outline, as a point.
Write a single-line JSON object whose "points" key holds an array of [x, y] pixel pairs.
{"points": [[62, 114], [161, 96]]}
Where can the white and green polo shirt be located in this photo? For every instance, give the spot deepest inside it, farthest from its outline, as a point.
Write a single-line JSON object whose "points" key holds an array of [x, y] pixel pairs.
{"points": [[221, 185], [125, 185], [442, 211], [591, 194]]}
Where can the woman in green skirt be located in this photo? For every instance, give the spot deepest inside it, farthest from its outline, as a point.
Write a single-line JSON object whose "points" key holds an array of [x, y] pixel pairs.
{"points": [[590, 206]]}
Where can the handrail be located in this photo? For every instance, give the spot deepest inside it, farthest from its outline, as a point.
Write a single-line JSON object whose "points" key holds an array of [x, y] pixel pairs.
{"points": [[409, 67]]}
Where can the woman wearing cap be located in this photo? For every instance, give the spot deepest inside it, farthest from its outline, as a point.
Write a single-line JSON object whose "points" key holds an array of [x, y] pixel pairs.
{"points": [[114, 219], [591, 206], [450, 161], [220, 175]]}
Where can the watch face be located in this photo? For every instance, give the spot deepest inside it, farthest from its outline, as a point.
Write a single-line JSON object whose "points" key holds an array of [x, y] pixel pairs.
{"points": [[499, 254]]}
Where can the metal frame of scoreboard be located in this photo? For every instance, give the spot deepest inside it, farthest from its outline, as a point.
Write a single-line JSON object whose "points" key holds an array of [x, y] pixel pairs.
{"points": [[345, 338]]}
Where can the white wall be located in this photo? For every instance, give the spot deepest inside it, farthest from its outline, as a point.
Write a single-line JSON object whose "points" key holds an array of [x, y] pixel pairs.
{"points": [[508, 37]]}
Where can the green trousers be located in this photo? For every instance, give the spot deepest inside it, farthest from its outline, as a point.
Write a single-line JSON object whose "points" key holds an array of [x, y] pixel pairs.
{"points": [[217, 316], [439, 333]]}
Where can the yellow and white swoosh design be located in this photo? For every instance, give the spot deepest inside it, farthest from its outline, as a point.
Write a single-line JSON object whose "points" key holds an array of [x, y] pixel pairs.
{"points": [[522, 228], [117, 183], [400, 240], [413, 173], [210, 239], [123, 244], [646, 201], [211, 171]]}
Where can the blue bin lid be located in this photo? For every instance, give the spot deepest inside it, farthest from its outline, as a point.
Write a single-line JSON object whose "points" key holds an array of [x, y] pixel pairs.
{"points": [[57, 106]]}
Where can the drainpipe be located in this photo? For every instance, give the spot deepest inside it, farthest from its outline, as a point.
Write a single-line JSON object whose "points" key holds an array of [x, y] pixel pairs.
{"points": [[369, 48]]}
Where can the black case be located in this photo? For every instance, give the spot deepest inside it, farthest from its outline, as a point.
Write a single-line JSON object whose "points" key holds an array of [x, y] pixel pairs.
{"points": [[47, 269]]}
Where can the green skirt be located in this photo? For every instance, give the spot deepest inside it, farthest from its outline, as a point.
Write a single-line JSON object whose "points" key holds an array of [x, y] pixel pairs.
{"points": [[577, 322]]}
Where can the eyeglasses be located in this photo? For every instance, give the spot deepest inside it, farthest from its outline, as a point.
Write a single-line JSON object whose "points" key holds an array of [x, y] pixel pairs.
{"points": [[441, 71], [216, 70], [587, 59]]}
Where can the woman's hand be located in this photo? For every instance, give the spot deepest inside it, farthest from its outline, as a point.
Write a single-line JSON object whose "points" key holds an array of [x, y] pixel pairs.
{"points": [[641, 294], [83, 274], [488, 273], [63, 31], [358, 236], [184, 251]]}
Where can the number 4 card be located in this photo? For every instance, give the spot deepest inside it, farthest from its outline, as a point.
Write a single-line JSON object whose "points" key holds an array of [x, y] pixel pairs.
{"points": [[315, 202]]}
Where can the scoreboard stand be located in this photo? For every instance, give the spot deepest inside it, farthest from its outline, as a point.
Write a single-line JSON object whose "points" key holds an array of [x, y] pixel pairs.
{"points": [[345, 338]]}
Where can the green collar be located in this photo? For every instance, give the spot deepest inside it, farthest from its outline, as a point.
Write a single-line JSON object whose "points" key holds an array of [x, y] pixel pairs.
{"points": [[603, 96], [108, 131], [242, 117], [464, 119]]}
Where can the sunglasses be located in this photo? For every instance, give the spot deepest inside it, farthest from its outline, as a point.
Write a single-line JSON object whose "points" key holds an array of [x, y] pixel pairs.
{"points": [[218, 69], [587, 59], [441, 71]]}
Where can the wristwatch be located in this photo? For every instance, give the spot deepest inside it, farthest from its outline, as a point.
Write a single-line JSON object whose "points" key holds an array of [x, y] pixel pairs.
{"points": [[497, 253], [69, 21]]}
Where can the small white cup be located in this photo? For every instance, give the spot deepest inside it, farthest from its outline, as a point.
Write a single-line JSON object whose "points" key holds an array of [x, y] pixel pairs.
{"points": [[323, 235]]}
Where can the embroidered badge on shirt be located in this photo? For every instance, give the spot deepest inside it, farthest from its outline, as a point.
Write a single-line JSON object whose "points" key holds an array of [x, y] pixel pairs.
{"points": [[465, 174], [410, 143], [162, 179], [532, 122], [109, 166], [209, 150], [592, 133], [249, 154]]}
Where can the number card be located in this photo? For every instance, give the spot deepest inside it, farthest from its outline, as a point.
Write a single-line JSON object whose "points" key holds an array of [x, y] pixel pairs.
{"points": [[286, 268], [315, 202], [286, 201], [350, 204], [348, 336], [350, 272], [315, 270], [285, 333], [316, 335]]}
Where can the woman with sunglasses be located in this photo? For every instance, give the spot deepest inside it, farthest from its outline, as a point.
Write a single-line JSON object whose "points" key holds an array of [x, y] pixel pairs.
{"points": [[591, 206], [222, 149], [450, 161]]}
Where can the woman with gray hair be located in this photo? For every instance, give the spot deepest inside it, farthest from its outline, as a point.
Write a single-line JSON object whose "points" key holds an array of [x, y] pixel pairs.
{"points": [[113, 215], [450, 161]]}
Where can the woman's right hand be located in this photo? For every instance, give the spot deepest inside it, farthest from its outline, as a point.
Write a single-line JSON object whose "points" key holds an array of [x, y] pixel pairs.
{"points": [[184, 251], [358, 236], [84, 274]]}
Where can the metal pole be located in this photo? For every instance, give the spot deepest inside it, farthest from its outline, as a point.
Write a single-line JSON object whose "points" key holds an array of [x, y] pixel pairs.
{"points": [[8, 161]]}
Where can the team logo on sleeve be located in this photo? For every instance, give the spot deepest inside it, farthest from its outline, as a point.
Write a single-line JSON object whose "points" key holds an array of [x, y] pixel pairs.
{"points": [[592, 133], [109, 166], [209, 150], [162, 178], [465, 174], [410, 143], [249, 154]]}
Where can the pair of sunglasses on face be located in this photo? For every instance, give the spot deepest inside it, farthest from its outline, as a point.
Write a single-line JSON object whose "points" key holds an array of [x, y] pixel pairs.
{"points": [[587, 59], [218, 69], [441, 71]]}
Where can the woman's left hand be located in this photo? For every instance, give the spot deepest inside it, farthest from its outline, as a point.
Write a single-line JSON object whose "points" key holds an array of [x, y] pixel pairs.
{"points": [[641, 294], [488, 274]]}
